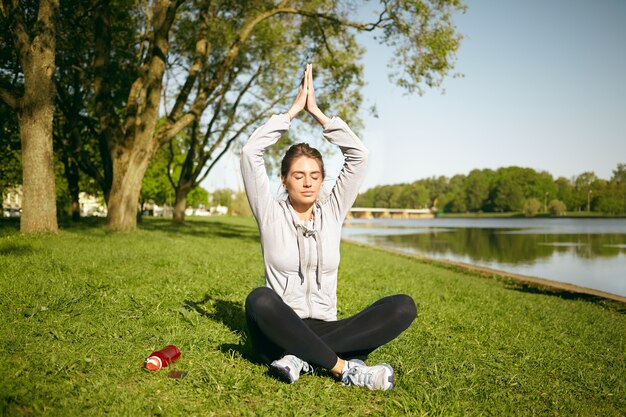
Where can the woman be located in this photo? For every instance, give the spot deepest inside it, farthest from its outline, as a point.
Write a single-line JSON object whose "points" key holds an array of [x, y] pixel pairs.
{"points": [[293, 320]]}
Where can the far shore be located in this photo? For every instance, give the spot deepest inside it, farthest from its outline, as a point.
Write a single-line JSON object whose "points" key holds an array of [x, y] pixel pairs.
{"points": [[573, 215]]}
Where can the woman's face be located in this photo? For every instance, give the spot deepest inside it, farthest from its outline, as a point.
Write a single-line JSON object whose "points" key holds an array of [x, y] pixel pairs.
{"points": [[303, 182]]}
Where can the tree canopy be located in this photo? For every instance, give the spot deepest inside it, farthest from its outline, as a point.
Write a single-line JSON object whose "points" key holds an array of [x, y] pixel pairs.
{"points": [[507, 189], [141, 73]]}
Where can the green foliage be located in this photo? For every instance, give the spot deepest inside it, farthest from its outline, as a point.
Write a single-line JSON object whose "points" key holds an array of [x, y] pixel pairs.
{"points": [[156, 186], [532, 207], [239, 206], [557, 208], [80, 311], [222, 197], [198, 197], [508, 189]]}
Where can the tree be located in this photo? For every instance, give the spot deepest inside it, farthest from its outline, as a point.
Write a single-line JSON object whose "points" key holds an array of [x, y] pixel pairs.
{"points": [[557, 207], [198, 197], [613, 198], [413, 196], [240, 206], [222, 197], [436, 187], [532, 207], [477, 186], [619, 174], [583, 188], [28, 88], [565, 192], [455, 197], [229, 46]]}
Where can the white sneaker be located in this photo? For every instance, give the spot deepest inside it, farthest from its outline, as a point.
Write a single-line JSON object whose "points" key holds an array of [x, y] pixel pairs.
{"points": [[288, 368], [377, 377]]}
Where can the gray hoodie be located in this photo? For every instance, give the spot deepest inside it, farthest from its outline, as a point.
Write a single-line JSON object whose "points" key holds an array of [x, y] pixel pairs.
{"points": [[302, 259]]}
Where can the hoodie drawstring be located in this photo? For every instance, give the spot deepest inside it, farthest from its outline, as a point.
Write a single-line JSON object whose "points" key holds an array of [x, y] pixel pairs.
{"points": [[301, 233]]}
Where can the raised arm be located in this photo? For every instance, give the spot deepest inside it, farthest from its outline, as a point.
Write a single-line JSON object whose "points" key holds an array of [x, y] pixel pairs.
{"points": [[352, 174], [253, 170]]}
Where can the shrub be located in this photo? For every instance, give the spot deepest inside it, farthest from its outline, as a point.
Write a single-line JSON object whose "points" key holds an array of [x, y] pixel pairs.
{"points": [[557, 207], [532, 206]]}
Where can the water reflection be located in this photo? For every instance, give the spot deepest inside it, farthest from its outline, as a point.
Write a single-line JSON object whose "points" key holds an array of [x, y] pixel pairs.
{"points": [[586, 252], [497, 245]]}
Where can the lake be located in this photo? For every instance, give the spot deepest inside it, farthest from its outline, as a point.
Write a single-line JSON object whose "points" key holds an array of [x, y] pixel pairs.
{"points": [[586, 252]]}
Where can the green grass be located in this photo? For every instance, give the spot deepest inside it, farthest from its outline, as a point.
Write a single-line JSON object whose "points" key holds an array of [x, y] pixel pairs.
{"points": [[79, 311]]}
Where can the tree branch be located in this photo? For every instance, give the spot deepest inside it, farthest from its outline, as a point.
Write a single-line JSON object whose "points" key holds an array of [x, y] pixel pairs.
{"points": [[14, 15], [9, 96], [199, 58], [367, 27]]}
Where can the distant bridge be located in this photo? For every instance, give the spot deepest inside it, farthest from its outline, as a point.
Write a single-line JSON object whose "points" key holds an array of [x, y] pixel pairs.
{"points": [[389, 213]]}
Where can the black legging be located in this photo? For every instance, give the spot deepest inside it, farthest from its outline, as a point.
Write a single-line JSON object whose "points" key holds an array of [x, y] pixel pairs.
{"points": [[276, 330]]}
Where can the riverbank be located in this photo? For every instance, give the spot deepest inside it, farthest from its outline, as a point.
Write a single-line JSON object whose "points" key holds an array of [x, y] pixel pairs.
{"points": [[79, 312], [568, 215], [541, 284]]}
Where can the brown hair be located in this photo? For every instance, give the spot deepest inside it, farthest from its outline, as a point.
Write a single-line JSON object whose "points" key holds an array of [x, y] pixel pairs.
{"points": [[295, 152]]}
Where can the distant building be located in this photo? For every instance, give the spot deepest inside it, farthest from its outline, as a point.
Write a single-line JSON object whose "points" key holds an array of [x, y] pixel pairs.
{"points": [[12, 201], [91, 206]]}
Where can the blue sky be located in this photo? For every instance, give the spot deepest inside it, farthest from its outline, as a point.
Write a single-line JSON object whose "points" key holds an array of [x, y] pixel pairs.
{"points": [[543, 86]]}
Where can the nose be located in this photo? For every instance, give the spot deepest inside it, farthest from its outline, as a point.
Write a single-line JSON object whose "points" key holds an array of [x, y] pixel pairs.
{"points": [[307, 182]]}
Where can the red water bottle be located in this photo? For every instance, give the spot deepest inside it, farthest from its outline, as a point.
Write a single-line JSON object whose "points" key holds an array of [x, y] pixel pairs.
{"points": [[161, 358]]}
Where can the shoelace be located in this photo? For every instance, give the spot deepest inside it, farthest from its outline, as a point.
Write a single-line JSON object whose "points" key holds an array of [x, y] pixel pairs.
{"points": [[295, 361], [360, 376]]}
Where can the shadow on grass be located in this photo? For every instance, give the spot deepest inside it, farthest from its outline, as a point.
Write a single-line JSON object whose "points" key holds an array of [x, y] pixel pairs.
{"points": [[609, 304], [202, 228], [206, 228], [230, 314], [15, 249], [9, 226]]}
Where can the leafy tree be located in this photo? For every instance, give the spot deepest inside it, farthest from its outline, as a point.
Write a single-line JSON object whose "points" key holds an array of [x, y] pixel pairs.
{"points": [[454, 199], [583, 187], [413, 196], [27, 65], [198, 197], [240, 205], [510, 189], [156, 186], [221, 50], [222, 197], [565, 192], [557, 207], [619, 174], [384, 197], [477, 186], [532, 207], [611, 195], [436, 187], [83, 149]]}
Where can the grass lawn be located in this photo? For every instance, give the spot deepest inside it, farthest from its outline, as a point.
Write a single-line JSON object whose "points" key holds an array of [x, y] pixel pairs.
{"points": [[79, 311]]}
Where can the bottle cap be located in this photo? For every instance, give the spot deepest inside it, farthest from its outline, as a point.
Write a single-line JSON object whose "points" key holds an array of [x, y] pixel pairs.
{"points": [[153, 363]]}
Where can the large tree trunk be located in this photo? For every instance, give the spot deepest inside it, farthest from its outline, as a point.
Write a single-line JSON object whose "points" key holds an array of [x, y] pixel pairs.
{"points": [[39, 213], [129, 168], [181, 202], [132, 146]]}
